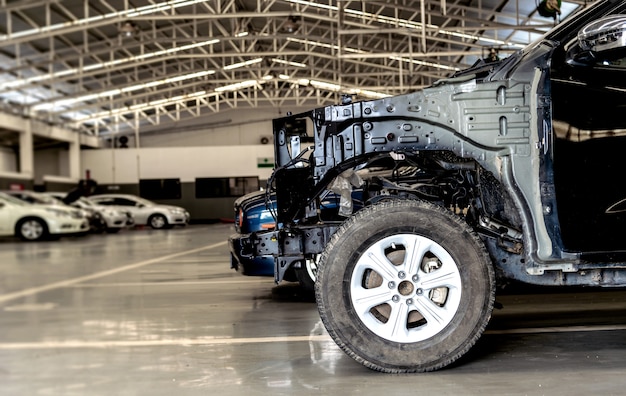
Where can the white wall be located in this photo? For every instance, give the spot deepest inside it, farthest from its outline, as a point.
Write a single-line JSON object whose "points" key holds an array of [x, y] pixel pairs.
{"points": [[8, 160], [49, 162], [121, 166], [226, 144]]}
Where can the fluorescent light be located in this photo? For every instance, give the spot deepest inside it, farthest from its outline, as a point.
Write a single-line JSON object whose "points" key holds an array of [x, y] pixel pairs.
{"points": [[303, 81], [397, 22], [139, 107], [290, 63], [145, 10], [21, 82], [333, 87], [354, 50], [425, 63], [117, 91], [243, 64], [237, 86], [325, 85], [325, 45]]}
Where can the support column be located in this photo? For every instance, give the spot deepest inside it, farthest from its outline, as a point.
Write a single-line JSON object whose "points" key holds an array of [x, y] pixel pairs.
{"points": [[74, 158], [26, 160]]}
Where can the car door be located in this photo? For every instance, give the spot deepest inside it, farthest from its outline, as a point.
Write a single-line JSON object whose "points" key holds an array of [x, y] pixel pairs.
{"points": [[6, 219], [589, 103], [139, 211]]}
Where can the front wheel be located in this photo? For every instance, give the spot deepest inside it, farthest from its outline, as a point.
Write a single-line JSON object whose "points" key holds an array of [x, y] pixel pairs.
{"points": [[405, 286], [32, 229], [157, 221]]}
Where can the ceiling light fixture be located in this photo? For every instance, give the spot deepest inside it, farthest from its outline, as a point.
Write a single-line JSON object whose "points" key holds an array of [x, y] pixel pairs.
{"points": [[305, 82], [128, 29], [17, 83], [237, 86], [243, 64], [398, 22], [138, 107], [292, 24], [85, 118], [130, 13], [290, 63], [356, 51]]}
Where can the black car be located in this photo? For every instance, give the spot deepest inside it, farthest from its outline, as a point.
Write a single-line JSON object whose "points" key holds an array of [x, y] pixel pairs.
{"points": [[516, 178]]}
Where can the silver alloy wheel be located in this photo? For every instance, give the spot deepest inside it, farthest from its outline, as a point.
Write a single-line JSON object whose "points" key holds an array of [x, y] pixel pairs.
{"points": [[158, 221], [406, 288], [32, 230]]}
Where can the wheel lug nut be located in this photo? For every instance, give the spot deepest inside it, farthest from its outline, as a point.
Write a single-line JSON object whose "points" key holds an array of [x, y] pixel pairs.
{"points": [[401, 274], [419, 292], [414, 278], [391, 285], [409, 301], [395, 298]]}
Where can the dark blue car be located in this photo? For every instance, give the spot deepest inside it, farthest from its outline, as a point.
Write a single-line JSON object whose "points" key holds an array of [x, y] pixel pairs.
{"points": [[252, 213]]}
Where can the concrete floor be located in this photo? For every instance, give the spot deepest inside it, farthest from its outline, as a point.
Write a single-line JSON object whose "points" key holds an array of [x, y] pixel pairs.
{"points": [[161, 313]]}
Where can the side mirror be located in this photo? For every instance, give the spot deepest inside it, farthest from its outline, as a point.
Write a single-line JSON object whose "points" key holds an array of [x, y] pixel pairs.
{"points": [[599, 42]]}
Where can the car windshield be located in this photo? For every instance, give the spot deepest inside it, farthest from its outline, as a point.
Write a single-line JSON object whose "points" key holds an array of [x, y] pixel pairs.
{"points": [[44, 199], [85, 202], [13, 200]]}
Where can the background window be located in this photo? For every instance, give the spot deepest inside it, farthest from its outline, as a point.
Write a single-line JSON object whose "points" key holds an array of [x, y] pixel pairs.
{"points": [[216, 187], [160, 188]]}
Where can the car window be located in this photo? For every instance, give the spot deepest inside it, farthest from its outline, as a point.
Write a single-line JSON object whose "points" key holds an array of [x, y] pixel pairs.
{"points": [[124, 202], [103, 201], [45, 199], [25, 198]]}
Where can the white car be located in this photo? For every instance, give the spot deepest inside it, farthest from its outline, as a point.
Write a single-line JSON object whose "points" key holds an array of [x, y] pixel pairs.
{"points": [[145, 212], [36, 222], [94, 220], [113, 219]]}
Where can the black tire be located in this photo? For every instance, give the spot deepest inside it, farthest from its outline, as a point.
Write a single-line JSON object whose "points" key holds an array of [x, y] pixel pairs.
{"points": [[442, 301], [32, 229], [158, 222], [308, 273], [97, 224], [113, 230]]}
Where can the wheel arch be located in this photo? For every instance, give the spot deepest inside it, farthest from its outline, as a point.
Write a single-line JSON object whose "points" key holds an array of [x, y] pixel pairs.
{"points": [[23, 219]]}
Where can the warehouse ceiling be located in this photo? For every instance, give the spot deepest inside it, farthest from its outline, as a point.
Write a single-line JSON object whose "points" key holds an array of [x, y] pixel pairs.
{"points": [[133, 66]]}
